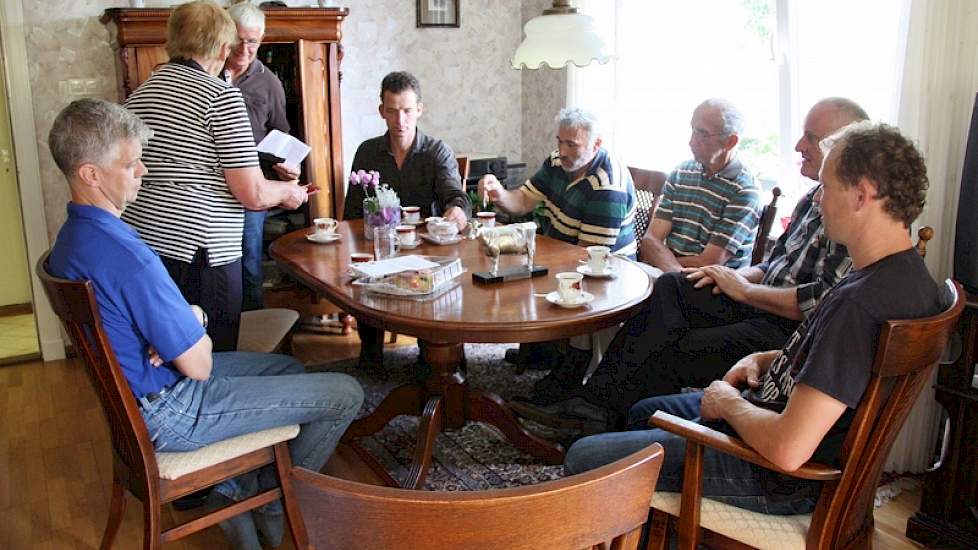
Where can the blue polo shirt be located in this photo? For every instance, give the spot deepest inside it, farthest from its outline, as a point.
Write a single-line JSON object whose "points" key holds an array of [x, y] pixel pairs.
{"points": [[139, 303]]}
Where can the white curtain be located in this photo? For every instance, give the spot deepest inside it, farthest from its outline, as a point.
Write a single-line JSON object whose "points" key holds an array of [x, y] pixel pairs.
{"points": [[940, 78]]}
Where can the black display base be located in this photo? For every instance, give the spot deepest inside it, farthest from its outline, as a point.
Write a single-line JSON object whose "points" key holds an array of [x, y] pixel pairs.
{"points": [[509, 274]]}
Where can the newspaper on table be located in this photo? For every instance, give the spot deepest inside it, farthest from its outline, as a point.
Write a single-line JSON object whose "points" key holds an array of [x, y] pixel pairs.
{"points": [[419, 277]]}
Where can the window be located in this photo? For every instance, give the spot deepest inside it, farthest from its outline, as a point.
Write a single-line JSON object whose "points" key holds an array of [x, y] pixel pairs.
{"points": [[773, 58]]}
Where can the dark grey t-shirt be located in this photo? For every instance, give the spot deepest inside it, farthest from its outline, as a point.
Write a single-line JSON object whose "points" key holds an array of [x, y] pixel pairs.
{"points": [[428, 176], [833, 350]]}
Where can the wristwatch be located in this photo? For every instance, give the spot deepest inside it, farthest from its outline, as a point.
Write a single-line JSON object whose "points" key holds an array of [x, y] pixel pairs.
{"points": [[203, 318]]}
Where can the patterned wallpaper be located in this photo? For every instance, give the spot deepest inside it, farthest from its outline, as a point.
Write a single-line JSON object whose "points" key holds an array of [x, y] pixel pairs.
{"points": [[473, 99]]}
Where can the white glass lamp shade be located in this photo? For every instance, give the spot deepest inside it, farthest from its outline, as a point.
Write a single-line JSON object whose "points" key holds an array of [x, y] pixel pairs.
{"points": [[558, 39]]}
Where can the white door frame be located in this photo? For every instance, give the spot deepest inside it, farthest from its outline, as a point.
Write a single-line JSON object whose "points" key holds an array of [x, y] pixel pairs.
{"points": [[24, 134]]}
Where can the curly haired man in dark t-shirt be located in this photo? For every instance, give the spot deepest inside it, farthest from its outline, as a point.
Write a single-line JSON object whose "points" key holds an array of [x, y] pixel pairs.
{"points": [[796, 404]]}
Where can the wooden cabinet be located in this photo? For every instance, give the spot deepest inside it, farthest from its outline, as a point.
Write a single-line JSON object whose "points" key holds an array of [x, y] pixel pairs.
{"points": [[311, 35]]}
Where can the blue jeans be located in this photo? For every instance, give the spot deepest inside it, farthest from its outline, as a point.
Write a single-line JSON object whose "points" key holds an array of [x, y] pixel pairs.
{"points": [[725, 478], [249, 392], [251, 269]]}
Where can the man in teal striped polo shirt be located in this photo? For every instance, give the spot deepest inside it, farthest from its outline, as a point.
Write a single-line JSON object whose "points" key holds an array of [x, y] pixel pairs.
{"points": [[710, 205], [587, 196]]}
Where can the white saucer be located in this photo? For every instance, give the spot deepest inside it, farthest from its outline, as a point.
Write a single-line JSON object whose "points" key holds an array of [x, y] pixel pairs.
{"points": [[440, 240], [609, 271], [323, 239], [554, 298]]}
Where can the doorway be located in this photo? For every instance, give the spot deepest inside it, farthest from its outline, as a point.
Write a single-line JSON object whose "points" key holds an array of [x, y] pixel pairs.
{"points": [[18, 327]]}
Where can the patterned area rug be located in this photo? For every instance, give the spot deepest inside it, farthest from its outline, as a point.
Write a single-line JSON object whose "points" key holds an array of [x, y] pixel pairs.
{"points": [[472, 458]]}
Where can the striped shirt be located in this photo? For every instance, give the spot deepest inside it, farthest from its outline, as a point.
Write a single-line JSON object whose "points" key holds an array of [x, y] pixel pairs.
{"points": [[201, 128], [722, 210], [805, 258], [597, 208]]}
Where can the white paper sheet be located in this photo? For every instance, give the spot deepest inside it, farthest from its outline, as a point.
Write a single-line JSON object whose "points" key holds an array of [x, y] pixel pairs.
{"points": [[284, 146], [393, 265]]}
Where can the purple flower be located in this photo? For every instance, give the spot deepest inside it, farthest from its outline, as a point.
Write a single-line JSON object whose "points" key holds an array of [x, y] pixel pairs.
{"points": [[374, 178], [390, 215], [354, 178]]}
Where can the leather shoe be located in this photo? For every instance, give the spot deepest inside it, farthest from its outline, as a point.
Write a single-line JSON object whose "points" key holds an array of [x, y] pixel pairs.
{"points": [[574, 413]]}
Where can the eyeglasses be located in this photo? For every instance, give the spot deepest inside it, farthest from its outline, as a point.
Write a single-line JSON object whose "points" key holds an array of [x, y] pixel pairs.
{"points": [[250, 43], [700, 133]]}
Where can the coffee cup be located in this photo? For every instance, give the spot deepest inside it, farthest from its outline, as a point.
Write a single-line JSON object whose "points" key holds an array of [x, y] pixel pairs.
{"points": [[598, 257], [411, 214], [325, 226], [431, 221], [570, 287], [406, 235], [444, 229], [361, 257], [488, 219]]}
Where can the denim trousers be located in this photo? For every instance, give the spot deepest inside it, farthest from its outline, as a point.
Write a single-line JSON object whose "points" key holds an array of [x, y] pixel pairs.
{"points": [[248, 392], [726, 478], [251, 256]]}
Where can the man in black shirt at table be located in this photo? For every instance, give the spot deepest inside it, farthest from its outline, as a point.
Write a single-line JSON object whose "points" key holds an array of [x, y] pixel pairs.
{"points": [[422, 170]]}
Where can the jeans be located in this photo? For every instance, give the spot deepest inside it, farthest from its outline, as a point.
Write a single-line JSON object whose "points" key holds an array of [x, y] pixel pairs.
{"points": [[249, 392], [725, 478], [251, 256]]}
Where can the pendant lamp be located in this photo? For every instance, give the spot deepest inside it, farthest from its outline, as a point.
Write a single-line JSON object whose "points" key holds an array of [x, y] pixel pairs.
{"points": [[560, 36]]}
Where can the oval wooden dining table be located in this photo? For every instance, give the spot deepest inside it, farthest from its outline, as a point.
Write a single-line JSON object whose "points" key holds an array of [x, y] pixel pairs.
{"points": [[471, 312]]}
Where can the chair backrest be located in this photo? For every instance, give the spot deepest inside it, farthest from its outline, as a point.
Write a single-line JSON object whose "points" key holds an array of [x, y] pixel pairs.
{"points": [[648, 192], [74, 303], [581, 511], [768, 213], [907, 353], [463, 168]]}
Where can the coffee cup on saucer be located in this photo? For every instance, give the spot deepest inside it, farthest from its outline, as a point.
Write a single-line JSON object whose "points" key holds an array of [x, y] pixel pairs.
{"points": [[361, 257], [406, 235], [570, 287], [430, 223], [444, 229], [411, 214], [324, 226], [488, 219], [598, 257]]}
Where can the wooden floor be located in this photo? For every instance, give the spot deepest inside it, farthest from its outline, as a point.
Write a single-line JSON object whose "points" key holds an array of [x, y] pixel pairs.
{"points": [[55, 465]]}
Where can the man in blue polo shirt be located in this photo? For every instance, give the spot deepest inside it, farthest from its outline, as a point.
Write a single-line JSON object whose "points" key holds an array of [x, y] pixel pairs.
{"points": [[189, 397], [708, 214]]}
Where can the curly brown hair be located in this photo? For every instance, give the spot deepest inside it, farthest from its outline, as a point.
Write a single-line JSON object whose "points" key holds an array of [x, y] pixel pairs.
{"points": [[881, 154]]}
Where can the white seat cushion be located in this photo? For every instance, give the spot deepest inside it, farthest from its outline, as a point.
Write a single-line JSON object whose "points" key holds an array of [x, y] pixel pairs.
{"points": [[263, 330], [757, 530], [174, 465]]}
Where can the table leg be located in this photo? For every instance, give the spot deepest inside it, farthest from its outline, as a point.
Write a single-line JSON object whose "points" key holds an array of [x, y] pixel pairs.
{"points": [[428, 430], [406, 399], [491, 409]]}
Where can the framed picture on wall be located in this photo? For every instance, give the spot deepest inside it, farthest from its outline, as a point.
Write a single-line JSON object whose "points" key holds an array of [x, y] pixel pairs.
{"points": [[438, 13]]}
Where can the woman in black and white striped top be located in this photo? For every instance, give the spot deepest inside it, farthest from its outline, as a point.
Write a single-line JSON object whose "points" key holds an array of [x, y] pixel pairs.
{"points": [[203, 167]]}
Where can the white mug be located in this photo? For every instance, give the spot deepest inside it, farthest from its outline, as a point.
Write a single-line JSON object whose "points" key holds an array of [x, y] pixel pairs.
{"points": [[598, 258], [406, 235], [412, 214], [488, 219], [570, 286]]}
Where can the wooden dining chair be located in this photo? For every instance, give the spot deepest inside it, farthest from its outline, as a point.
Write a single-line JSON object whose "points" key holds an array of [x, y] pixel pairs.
{"points": [[768, 214], [267, 330], [648, 191], [608, 505], [159, 478], [907, 353]]}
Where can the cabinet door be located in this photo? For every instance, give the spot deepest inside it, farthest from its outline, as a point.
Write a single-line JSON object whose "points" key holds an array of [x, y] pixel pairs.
{"points": [[143, 61], [313, 77]]}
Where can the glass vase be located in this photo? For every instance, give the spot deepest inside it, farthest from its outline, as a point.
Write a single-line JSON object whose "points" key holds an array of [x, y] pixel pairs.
{"points": [[374, 216]]}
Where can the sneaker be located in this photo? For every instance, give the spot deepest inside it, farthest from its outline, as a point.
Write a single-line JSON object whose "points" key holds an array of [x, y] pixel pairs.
{"points": [[563, 379]]}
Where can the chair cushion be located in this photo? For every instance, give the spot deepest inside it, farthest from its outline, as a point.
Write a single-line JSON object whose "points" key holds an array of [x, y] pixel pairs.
{"points": [[752, 528], [174, 465], [263, 330]]}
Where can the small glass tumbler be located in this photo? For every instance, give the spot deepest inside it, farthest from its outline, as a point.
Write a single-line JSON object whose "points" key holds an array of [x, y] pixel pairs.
{"points": [[386, 244]]}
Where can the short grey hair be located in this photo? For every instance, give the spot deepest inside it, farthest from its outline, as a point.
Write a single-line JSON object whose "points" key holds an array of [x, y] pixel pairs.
{"points": [[88, 130], [247, 15], [730, 114], [577, 118]]}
